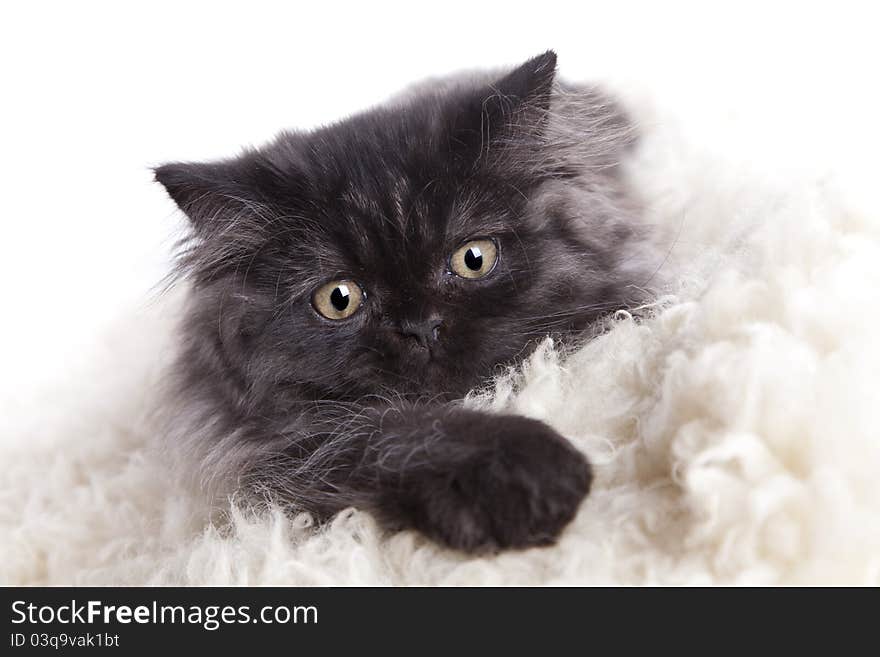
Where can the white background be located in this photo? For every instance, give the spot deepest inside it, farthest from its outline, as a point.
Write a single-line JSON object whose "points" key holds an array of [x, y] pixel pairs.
{"points": [[94, 93]]}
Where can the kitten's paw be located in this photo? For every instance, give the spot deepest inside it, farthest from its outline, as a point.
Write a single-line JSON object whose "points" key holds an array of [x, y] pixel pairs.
{"points": [[521, 488]]}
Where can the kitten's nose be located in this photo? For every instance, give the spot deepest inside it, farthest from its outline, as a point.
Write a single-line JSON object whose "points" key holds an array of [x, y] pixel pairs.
{"points": [[426, 331]]}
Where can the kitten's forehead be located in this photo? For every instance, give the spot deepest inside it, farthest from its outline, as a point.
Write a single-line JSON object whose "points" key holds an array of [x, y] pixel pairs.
{"points": [[391, 230], [393, 183], [409, 216], [389, 199]]}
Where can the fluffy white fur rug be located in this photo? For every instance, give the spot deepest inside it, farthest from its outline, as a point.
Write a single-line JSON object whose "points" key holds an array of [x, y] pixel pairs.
{"points": [[735, 431]]}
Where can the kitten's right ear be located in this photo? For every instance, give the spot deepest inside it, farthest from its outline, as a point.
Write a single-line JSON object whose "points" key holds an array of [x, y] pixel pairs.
{"points": [[201, 189]]}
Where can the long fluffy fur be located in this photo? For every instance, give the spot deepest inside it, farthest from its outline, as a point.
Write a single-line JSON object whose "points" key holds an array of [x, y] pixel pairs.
{"points": [[733, 431], [272, 402]]}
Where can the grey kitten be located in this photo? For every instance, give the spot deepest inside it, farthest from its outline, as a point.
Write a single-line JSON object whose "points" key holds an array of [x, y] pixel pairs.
{"points": [[351, 284]]}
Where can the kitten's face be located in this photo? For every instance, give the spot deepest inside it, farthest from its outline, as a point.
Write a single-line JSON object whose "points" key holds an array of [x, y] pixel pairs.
{"points": [[404, 251], [419, 280]]}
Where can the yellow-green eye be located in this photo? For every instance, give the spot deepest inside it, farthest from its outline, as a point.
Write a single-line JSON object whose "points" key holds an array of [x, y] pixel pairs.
{"points": [[338, 299], [474, 259]]}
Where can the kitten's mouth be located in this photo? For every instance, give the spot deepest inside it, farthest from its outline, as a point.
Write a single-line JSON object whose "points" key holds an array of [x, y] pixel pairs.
{"points": [[421, 354], [422, 372], [421, 362]]}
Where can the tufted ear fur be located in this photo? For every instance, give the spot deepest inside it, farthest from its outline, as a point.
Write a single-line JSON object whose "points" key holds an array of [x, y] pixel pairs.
{"points": [[512, 107], [203, 190], [526, 87], [214, 195], [231, 205]]}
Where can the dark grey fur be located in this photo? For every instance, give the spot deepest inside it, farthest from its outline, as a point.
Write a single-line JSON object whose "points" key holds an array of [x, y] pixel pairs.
{"points": [[275, 401]]}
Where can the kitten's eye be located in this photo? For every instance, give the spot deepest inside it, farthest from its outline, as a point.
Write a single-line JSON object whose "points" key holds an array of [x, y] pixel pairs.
{"points": [[338, 299], [474, 259]]}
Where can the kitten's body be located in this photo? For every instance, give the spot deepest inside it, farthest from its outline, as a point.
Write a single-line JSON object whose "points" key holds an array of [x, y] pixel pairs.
{"points": [[275, 400]]}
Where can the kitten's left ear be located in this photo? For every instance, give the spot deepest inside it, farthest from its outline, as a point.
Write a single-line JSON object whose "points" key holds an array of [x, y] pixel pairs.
{"points": [[526, 88], [511, 107]]}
